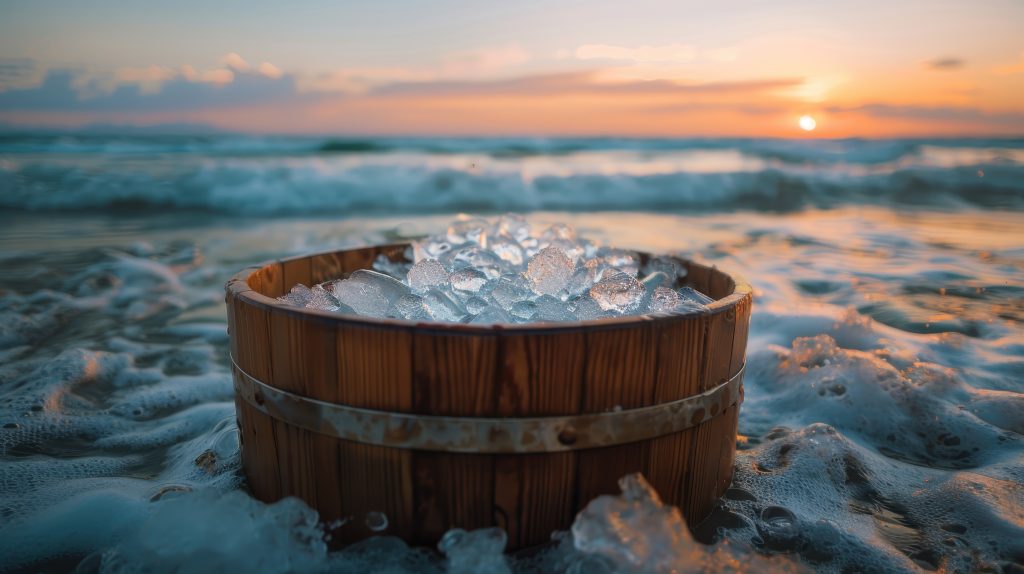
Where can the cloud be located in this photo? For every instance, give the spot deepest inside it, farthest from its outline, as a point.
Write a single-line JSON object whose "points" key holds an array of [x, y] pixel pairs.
{"points": [[235, 62], [15, 72], [585, 82], [934, 113], [674, 53], [185, 90], [947, 63], [271, 71]]}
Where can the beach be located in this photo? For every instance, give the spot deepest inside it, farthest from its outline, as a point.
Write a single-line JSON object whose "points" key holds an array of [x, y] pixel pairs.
{"points": [[884, 411]]}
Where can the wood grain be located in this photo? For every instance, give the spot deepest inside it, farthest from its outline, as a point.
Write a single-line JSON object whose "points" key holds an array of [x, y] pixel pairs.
{"points": [[463, 370]]}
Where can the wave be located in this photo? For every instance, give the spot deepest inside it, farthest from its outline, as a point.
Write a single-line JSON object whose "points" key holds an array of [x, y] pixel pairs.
{"points": [[790, 151], [352, 187]]}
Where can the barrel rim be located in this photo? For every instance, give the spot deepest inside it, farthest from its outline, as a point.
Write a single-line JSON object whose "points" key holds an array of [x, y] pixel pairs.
{"points": [[238, 287]]}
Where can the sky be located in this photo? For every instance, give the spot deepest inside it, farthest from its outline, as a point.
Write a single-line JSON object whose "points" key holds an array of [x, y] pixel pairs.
{"points": [[753, 68]]}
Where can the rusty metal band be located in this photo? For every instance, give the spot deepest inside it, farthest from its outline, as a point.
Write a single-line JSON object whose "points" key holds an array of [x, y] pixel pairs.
{"points": [[487, 435]]}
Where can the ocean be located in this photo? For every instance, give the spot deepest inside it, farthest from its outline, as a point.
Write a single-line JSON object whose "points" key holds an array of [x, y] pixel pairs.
{"points": [[884, 413]]}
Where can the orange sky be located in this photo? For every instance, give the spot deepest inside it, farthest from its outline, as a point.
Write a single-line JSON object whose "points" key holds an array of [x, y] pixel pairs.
{"points": [[871, 68]]}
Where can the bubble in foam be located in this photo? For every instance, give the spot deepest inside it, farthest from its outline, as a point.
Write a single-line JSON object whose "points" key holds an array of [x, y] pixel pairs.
{"points": [[376, 521]]}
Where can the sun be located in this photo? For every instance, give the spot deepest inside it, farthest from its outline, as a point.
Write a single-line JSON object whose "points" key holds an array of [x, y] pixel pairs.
{"points": [[807, 123]]}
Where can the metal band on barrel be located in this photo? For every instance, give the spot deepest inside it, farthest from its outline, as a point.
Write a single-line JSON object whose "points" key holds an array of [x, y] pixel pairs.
{"points": [[487, 435]]}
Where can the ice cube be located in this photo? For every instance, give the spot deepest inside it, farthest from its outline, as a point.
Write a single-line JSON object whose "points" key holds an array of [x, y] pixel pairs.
{"points": [[476, 257], [298, 296], [657, 279], [392, 288], [507, 249], [442, 307], [586, 309], [365, 298], [625, 261], [665, 300], [475, 305], [321, 299], [411, 307], [426, 274], [561, 231], [523, 311], [585, 277], [666, 265], [514, 226], [508, 289], [468, 280], [571, 249], [691, 294], [393, 269], [618, 292], [430, 248], [469, 231], [553, 309], [549, 271], [491, 315]]}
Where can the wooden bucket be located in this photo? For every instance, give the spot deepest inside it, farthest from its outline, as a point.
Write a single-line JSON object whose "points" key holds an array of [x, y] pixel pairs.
{"points": [[450, 425]]}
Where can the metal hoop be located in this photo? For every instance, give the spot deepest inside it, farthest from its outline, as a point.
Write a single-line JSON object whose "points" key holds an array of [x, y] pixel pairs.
{"points": [[487, 435]]}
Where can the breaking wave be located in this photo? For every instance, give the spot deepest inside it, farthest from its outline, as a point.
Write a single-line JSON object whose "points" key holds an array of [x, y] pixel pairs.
{"points": [[267, 176]]}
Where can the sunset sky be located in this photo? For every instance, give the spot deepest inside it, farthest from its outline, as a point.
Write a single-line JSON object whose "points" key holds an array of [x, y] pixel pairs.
{"points": [[638, 68]]}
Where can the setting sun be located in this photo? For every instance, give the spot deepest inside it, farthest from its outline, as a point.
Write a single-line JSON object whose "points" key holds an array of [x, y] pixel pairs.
{"points": [[807, 123]]}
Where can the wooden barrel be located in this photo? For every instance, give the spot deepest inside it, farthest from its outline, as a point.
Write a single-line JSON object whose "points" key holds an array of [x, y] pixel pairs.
{"points": [[449, 425]]}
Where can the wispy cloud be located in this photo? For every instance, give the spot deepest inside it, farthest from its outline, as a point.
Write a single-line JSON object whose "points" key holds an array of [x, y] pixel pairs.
{"points": [[946, 63], [935, 113], [584, 82], [178, 90]]}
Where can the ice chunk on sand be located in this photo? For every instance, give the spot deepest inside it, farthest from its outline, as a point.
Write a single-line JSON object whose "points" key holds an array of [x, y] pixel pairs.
{"points": [[549, 271], [618, 292], [426, 274], [635, 531]]}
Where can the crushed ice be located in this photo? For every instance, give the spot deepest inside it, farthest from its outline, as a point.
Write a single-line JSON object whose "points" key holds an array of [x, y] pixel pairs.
{"points": [[500, 271]]}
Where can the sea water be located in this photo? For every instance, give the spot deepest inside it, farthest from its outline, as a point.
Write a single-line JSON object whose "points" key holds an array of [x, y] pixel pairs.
{"points": [[884, 412]]}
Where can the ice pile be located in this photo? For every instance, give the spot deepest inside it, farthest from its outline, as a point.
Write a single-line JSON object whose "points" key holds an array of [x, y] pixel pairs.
{"points": [[502, 271]]}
